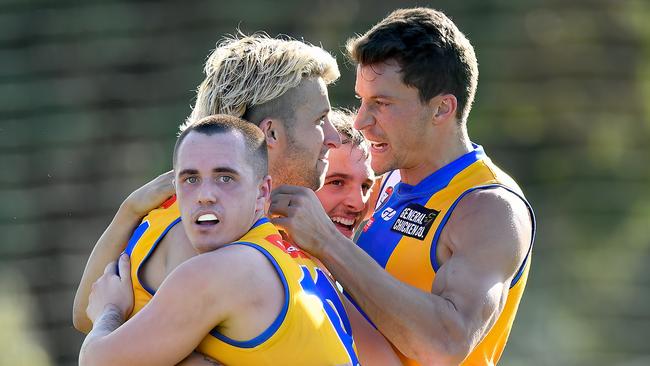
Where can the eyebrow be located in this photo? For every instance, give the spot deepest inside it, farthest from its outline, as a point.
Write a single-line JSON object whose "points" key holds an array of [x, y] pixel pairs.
{"points": [[347, 176], [339, 175], [215, 170], [377, 96]]}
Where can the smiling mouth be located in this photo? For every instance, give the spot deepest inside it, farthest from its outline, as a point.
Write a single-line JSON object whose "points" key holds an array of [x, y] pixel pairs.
{"points": [[207, 220], [343, 222]]}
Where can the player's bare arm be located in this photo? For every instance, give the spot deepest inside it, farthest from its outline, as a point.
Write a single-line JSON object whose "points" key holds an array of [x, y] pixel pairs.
{"points": [[191, 303], [372, 347], [470, 289], [115, 237]]}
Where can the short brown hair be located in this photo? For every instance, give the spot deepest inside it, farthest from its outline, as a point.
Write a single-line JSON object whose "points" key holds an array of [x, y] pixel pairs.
{"points": [[254, 140], [343, 121], [434, 56]]}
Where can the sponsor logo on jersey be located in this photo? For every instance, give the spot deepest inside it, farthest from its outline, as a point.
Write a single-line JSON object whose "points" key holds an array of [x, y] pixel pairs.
{"points": [[384, 196], [387, 214], [415, 221]]}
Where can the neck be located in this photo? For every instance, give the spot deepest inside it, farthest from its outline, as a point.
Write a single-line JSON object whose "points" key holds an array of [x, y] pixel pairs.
{"points": [[259, 215], [444, 149]]}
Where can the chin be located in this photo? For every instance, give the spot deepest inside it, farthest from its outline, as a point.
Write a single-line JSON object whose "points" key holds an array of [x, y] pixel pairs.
{"points": [[205, 245], [381, 167]]}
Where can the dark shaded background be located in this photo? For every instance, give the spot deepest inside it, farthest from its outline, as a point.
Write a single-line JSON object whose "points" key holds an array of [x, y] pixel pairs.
{"points": [[91, 93]]}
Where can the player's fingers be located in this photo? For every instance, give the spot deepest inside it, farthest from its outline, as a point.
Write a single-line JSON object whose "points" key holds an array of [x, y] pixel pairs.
{"points": [[164, 184], [280, 206], [291, 190], [280, 222], [110, 268], [283, 224], [285, 189], [125, 268], [279, 196]]}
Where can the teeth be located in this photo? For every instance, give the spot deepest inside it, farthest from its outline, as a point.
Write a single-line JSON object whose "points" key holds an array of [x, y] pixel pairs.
{"points": [[342, 220], [207, 217]]}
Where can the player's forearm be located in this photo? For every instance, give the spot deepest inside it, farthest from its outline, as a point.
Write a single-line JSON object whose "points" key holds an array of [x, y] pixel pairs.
{"points": [[421, 325], [93, 351], [107, 249], [372, 347]]}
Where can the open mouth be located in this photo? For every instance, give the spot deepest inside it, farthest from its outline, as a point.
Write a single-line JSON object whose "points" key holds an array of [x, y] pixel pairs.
{"points": [[379, 146], [343, 224], [207, 220]]}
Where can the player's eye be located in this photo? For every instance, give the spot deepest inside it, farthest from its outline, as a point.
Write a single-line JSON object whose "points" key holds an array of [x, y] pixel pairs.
{"points": [[225, 179], [336, 182], [192, 179]]}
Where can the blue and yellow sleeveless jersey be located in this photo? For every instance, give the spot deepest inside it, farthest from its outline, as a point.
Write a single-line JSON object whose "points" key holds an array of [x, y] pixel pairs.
{"points": [[311, 329], [403, 233]]}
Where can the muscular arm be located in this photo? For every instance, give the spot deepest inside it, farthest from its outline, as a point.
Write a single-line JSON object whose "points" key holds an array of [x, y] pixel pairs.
{"points": [[442, 326], [107, 249], [190, 304], [112, 318], [114, 239]]}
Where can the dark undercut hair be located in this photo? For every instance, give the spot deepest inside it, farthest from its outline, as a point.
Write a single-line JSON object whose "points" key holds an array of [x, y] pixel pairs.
{"points": [[254, 140], [434, 56]]}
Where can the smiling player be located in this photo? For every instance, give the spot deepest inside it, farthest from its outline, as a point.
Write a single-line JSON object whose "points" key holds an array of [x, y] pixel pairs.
{"points": [[349, 177]]}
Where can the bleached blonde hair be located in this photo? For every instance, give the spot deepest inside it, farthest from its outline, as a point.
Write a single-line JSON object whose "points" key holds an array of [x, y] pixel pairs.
{"points": [[248, 71]]}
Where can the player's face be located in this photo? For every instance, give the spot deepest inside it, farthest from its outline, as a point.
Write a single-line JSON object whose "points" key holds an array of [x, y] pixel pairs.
{"points": [[218, 193], [391, 117], [347, 187], [308, 137]]}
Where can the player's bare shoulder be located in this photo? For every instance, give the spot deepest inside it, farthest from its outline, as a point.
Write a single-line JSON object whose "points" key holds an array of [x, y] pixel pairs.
{"points": [[238, 277], [493, 221]]}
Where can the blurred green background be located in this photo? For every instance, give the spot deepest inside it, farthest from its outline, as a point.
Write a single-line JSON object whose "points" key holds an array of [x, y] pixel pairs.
{"points": [[91, 93]]}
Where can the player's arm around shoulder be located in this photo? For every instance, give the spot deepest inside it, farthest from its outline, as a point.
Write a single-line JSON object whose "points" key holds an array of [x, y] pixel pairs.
{"points": [[114, 239], [201, 293], [485, 243]]}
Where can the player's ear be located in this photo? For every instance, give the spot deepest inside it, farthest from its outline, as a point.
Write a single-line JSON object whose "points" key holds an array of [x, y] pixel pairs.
{"points": [[263, 194], [271, 133], [445, 107]]}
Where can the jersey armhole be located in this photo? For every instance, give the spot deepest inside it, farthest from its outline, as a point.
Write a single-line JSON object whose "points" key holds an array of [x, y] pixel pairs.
{"points": [[445, 219], [270, 331]]}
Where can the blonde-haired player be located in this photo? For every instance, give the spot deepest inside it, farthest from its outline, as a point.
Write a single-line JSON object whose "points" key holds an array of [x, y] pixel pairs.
{"points": [[279, 85]]}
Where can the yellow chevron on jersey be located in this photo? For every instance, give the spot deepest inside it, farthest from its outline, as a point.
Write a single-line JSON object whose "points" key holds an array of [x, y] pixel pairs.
{"points": [[402, 236], [312, 328]]}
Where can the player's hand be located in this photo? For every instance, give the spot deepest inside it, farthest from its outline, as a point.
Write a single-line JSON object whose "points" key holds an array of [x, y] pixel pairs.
{"points": [[112, 288], [298, 211], [150, 195]]}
